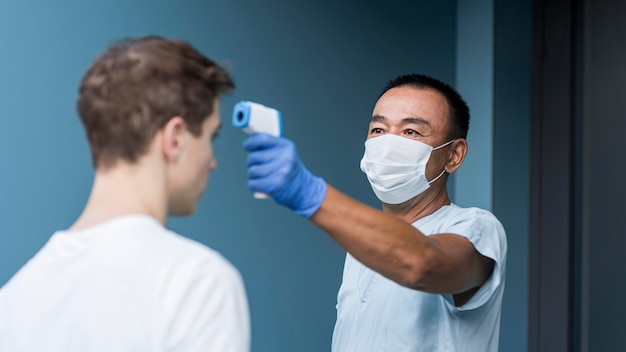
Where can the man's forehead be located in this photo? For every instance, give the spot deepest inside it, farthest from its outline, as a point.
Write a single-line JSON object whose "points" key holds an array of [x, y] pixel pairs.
{"points": [[407, 104]]}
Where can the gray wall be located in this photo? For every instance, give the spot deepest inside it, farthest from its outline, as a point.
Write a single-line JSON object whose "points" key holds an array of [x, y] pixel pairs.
{"points": [[321, 63], [603, 171]]}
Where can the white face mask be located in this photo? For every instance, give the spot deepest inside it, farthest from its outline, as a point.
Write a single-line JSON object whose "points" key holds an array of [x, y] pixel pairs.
{"points": [[396, 167]]}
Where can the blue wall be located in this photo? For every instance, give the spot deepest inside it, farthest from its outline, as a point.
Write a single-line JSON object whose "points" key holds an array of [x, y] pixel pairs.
{"points": [[472, 183], [493, 66], [321, 62]]}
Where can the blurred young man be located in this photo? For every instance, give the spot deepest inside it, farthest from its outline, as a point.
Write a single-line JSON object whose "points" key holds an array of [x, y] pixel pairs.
{"points": [[423, 274], [117, 279]]}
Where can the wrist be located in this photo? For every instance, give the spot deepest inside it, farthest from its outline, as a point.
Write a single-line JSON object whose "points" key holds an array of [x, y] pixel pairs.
{"points": [[314, 198]]}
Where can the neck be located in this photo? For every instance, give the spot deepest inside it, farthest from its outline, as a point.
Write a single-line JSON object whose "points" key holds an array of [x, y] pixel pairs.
{"points": [[420, 206], [125, 189]]}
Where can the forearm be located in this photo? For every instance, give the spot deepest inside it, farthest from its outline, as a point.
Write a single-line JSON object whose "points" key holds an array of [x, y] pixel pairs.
{"points": [[383, 242]]}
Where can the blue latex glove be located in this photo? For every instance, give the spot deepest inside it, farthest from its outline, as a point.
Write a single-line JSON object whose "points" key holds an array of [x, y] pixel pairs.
{"points": [[274, 168]]}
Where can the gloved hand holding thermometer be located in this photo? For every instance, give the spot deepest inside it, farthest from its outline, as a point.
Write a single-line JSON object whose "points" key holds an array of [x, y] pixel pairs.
{"points": [[274, 168], [256, 118]]}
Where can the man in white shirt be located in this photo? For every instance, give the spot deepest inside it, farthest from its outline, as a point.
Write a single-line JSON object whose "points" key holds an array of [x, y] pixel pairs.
{"points": [[423, 274], [117, 279]]}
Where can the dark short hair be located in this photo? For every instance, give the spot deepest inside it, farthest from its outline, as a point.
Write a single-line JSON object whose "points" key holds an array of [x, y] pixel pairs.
{"points": [[459, 111], [136, 86]]}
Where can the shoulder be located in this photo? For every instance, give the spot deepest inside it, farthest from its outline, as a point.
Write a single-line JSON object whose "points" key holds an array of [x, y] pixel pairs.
{"points": [[205, 258], [158, 249], [192, 255], [472, 220], [481, 227], [467, 222], [458, 213]]}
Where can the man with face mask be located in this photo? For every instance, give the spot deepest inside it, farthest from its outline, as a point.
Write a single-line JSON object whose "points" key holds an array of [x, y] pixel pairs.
{"points": [[423, 274]]}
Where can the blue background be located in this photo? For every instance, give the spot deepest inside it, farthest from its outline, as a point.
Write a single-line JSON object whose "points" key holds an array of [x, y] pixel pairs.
{"points": [[323, 63]]}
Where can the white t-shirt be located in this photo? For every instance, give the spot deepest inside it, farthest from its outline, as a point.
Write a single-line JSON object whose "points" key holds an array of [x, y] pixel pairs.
{"points": [[127, 284], [377, 314]]}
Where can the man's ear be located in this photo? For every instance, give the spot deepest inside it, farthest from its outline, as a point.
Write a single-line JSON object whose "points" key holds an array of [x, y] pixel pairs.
{"points": [[458, 151], [173, 141]]}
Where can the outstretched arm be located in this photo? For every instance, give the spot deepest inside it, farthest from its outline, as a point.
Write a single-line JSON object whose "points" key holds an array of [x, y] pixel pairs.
{"points": [[442, 263]]}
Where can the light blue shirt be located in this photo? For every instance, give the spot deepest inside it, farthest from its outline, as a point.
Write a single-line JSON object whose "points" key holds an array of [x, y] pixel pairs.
{"points": [[377, 314]]}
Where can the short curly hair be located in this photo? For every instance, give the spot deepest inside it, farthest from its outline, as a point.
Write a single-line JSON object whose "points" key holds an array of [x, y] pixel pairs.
{"points": [[136, 86]]}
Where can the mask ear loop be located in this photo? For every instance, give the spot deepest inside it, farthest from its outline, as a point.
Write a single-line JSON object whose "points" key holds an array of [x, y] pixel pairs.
{"points": [[436, 178], [444, 170], [445, 144]]}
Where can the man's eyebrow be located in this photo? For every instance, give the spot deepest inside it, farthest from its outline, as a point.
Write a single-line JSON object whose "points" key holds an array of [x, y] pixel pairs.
{"points": [[377, 118], [406, 120], [415, 120]]}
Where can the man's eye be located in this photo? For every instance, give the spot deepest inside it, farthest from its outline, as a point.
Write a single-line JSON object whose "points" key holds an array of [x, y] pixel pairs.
{"points": [[412, 132], [376, 130]]}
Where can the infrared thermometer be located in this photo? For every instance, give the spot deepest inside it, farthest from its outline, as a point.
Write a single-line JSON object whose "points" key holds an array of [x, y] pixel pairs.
{"points": [[257, 118]]}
